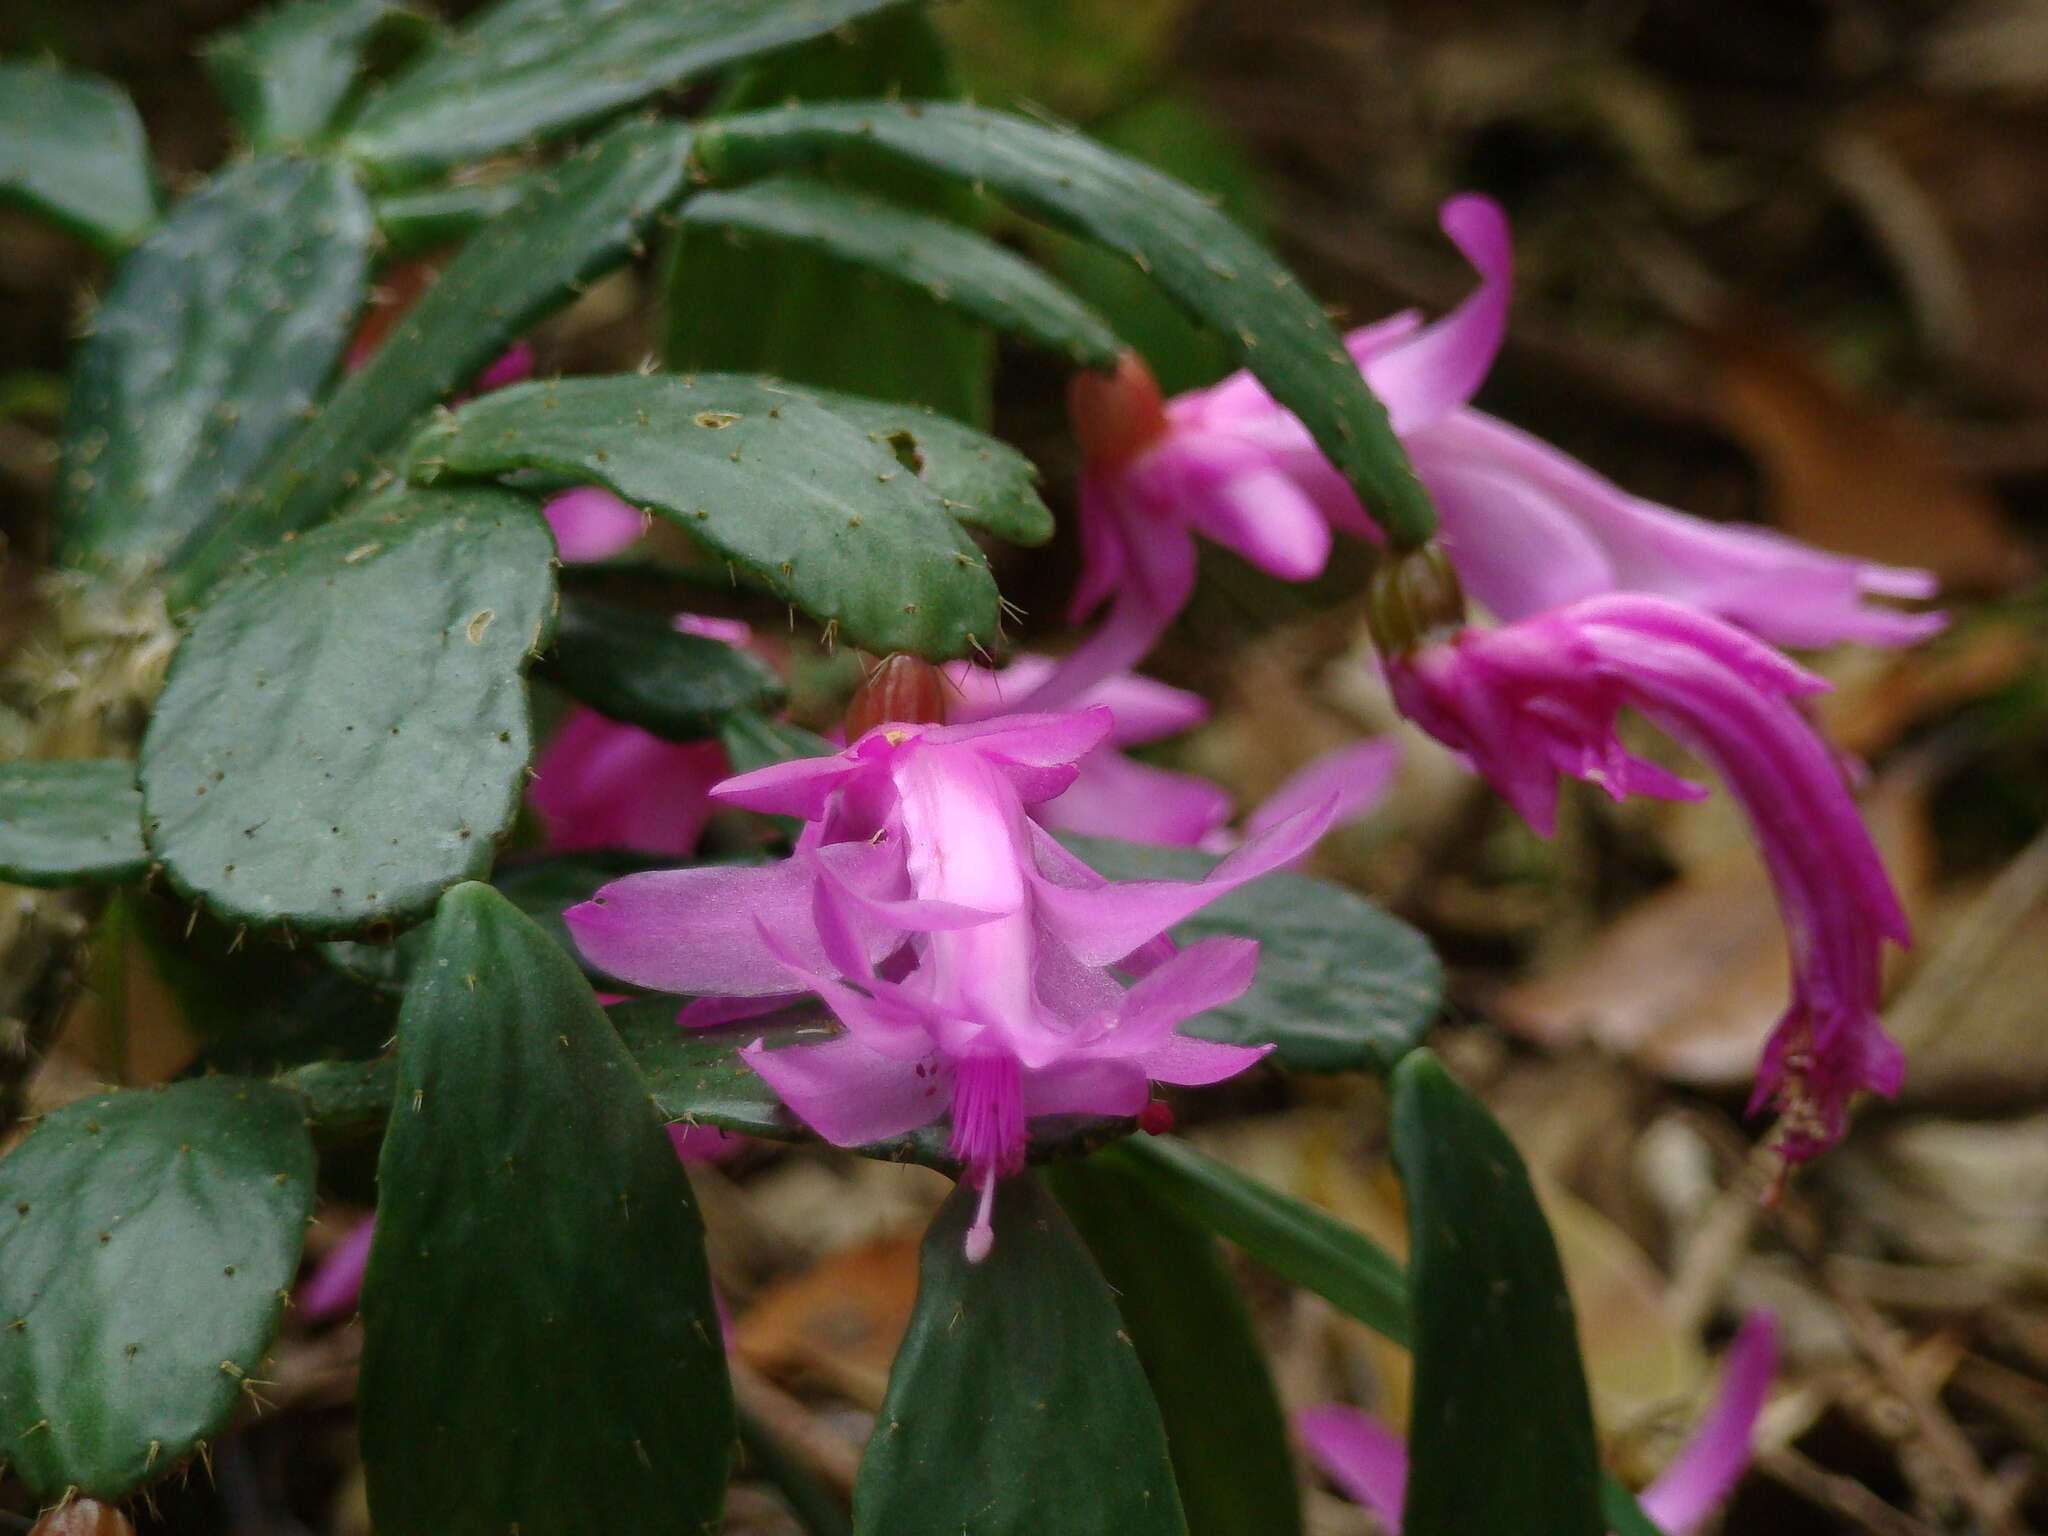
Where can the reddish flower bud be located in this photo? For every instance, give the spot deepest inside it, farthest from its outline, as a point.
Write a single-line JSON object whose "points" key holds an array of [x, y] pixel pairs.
{"points": [[84, 1517], [1156, 1118], [903, 690], [1116, 415]]}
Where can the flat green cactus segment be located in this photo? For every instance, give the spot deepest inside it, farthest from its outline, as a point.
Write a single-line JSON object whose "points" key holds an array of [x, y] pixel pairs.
{"points": [[420, 218], [344, 730], [1193, 251], [738, 302], [541, 1351], [147, 1238], [1500, 1436], [793, 495], [986, 483], [1298, 1242], [638, 668], [951, 265], [528, 69], [67, 823], [1342, 986], [1187, 1318], [578, 223], [1072, 1426], [209, 349], [286, 74], [72, 149], [542, 888]]}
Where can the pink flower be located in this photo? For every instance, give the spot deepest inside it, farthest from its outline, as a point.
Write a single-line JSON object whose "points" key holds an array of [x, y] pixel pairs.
{"points": [[1527, 526], [971, 960], [1112, 795], [1115, 795], [599, 783], [590, 523], [1530, 701], [1367, 1460], [602, 784]]}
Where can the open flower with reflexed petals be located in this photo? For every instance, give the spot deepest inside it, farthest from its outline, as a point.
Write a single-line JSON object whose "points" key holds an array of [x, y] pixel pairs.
{"points": [[982, 973], [1367, 1460], [1527, 526], [1528, 702]]}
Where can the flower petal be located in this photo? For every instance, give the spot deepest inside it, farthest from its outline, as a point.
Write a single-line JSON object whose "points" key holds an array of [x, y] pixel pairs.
{"points": [[1433, 373], [590, 523], [1361, 1455], [849, 1094], [1707, 1469], [698, 931], [1104, 923]]}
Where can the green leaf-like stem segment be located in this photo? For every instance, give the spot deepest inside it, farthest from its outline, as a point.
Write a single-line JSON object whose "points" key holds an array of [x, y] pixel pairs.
{"points": [[523, 70], [805, 501], [953, 265], [70, 823], [210, 347], [1194, 252], [286, 74], [1501, 1431], [541, 1351], [1016, 1404], [146, 1241], [72, 149], [581, 220], [1341, 986], [1183, 1312], [640, 669], [344, 730]]}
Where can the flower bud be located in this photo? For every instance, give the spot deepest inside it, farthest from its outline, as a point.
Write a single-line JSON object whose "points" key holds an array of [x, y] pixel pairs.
{"points": [[1414, 599], [904, 690], [84, 1517], [1116, 415]]}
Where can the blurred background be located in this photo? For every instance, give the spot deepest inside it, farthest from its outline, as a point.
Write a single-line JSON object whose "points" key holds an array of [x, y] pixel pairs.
{"points": [[1779, 260]]}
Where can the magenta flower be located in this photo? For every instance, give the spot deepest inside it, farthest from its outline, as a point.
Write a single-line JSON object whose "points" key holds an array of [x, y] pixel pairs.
{"points": [[1112, 795], [602, 784], [1115, 795], [971, 960], [590, 523], [1367, 1460], [599, 783], [1528, 527], [1529, 701]]}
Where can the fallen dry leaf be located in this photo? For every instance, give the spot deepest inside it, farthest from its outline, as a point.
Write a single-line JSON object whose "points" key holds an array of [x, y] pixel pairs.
{"points": [[838, 1323]]}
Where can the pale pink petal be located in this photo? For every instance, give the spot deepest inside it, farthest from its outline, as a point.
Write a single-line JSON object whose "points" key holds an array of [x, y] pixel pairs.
{"points": [[1107, 922], [337, 1282], [732, 632], [592, 524], [1194, 1063], [601, 784], [849, 1094], [704, 1143], [1424, 378], [1117, 796], [1712, 1462], [1205, 975], [1086, 1087], [1361, 1455], [696, 931], [1356, 778]]}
